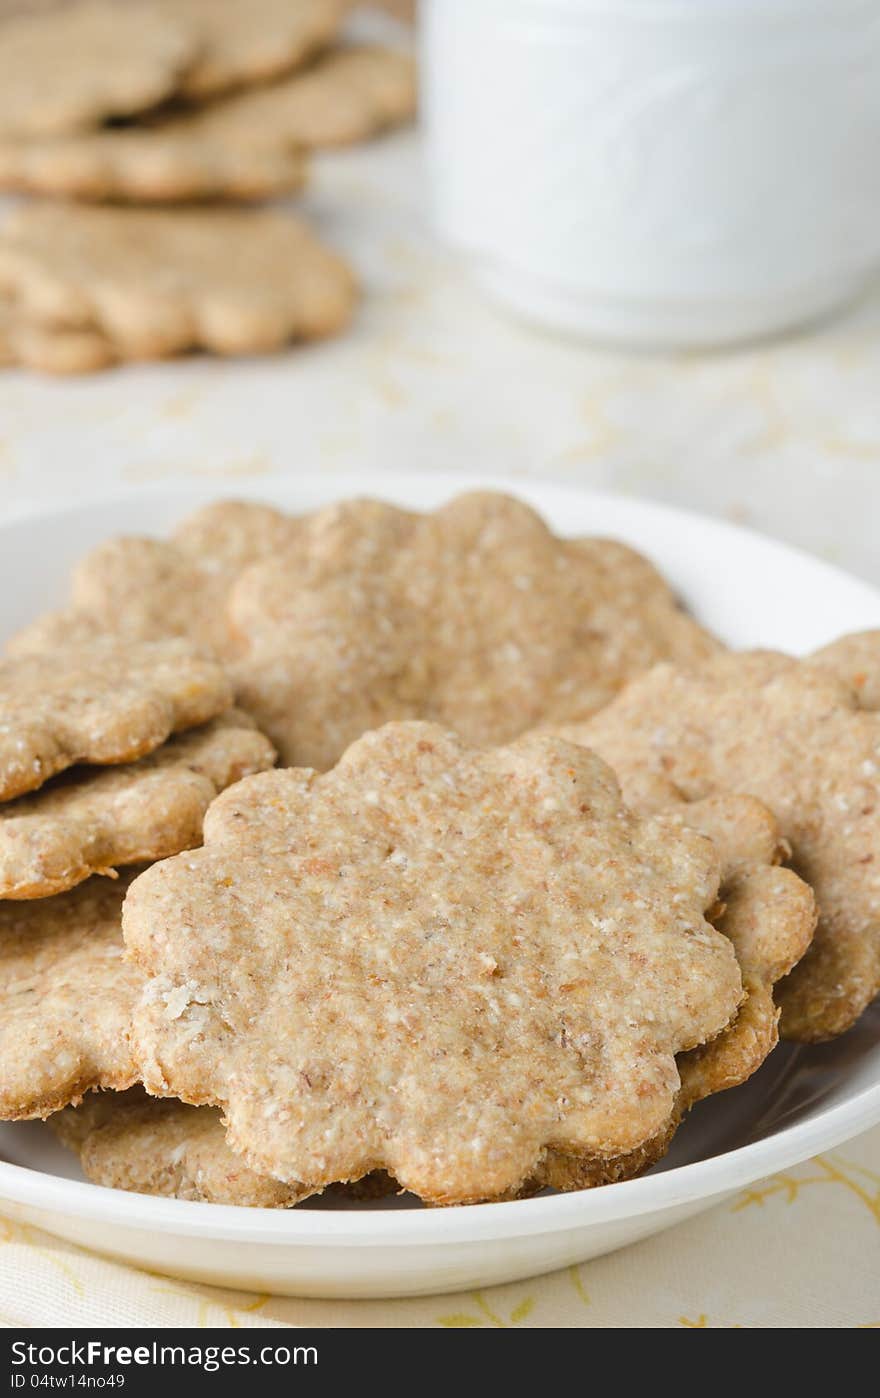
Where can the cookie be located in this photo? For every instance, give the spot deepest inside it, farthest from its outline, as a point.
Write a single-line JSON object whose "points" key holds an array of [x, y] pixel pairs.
{"points": [[794, 736], [401, 9], [228, 535], [246, 147], [162, 1146], [93, 821], [243, 43], [68, 69], [349, 94], [50, 350], [110, 701], [435, 960], [159, 282], [10, 8], [151, 588], [156, 1145], [174, 158], [67, 997], [855, 660], [475, 616], [132, 1141], [770, 915]]}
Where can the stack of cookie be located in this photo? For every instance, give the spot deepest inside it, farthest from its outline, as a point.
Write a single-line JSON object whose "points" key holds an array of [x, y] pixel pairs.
{"points": [[160, 104], [110, 755], [437, 950]]}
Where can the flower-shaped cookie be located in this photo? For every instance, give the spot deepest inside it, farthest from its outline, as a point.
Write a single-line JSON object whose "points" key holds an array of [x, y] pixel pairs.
{"points": [[793, 735], [158, 282], [476, 616], [249, 146], [436, 960]]}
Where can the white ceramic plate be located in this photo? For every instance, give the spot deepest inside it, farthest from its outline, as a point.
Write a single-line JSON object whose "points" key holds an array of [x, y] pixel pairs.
{"points": [[752, 592]]}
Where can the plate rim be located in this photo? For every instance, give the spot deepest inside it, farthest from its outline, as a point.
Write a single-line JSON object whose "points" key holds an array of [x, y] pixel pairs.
{"points": [[685, 1184], [692, 1183]]}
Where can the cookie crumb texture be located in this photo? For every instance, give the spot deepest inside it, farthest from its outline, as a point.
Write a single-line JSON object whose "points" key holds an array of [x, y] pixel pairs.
{"points": [[769, 914], [140, 1143], [476, 616], [443, 962], [155, 1145], [67, 995], [95, 820], [801, 740], [105, 702]]}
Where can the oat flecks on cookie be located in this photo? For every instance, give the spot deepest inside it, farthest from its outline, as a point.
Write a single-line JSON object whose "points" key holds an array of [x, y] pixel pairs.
{"points": [[250, 42], [93, 821], [436, 960], [769, 914], [794, 736], [156, 1145], [132, 1141], [162, 1146], [66, 1000], [159, 282], [71, 67], [106, 702], [476, 616]]}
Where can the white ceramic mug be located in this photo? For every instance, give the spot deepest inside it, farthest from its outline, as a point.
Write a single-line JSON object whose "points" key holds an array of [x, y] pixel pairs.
{"points": [[668, 172]]}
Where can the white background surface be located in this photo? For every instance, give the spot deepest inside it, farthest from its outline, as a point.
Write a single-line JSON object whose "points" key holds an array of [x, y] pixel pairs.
{"points": [[784, 437]]}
